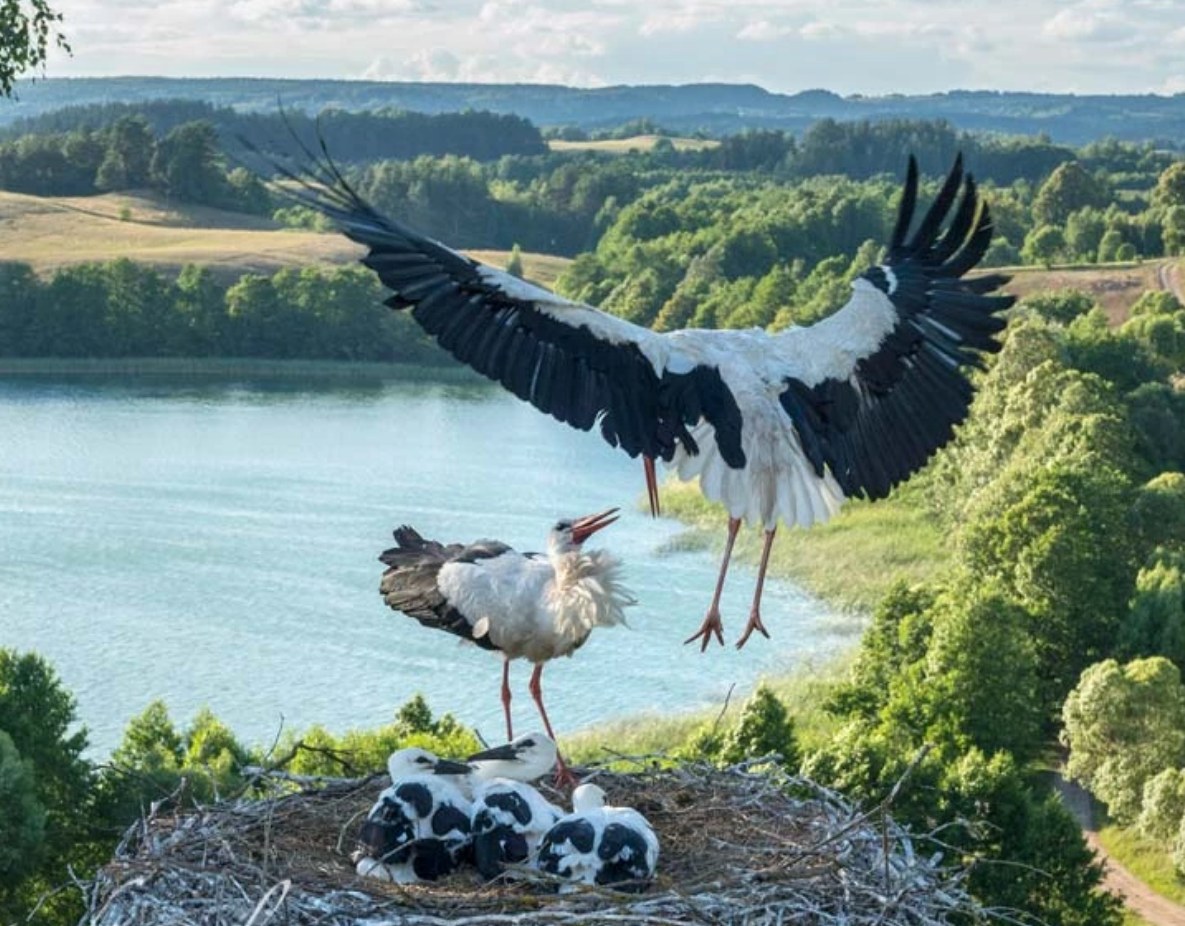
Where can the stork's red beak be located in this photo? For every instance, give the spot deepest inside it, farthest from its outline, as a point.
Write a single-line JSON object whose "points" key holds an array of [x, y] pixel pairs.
{"points": [[583, 528]]}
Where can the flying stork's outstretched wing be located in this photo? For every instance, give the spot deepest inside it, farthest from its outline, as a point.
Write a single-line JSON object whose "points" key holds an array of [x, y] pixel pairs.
{"points": [[887, 404], [570, 360]]}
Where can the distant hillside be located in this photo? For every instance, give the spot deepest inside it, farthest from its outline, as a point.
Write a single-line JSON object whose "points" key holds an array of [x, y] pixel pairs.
{"points": [[51, 232], [712, 108]]}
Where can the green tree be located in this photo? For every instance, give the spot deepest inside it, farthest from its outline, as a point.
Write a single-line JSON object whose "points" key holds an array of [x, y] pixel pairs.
{"points": [[245, 192], [127, 161], [1084, 232], [22, 822], [764, 728], [981, 674], [187, 164], [1061, 551], [1059, 305], [1163, 805], [1109, 246], [1156, 623], [1043, 245], [18, 303], [1157, 321], [38, 720], [1170, 186], [1069, 188], [1158, 513], [1124, 725], [514, 265], [1174, 230], [28, 29]]}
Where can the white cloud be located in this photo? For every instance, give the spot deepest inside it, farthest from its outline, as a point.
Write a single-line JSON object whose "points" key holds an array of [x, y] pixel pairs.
{"points": [[1079, 24], [867, 46], [820, 30], [762, 30]]}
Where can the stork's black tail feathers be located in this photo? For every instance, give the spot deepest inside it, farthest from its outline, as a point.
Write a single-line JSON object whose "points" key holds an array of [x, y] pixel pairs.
{"points": [[410, 581]]}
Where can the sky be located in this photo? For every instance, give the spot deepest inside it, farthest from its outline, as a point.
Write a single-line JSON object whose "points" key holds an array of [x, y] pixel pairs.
{"points": [[873, 47]]}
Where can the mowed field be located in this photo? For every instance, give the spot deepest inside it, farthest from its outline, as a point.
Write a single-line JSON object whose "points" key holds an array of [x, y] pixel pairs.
{"points": [[51, 232], [1114, 286], [634, 143]]}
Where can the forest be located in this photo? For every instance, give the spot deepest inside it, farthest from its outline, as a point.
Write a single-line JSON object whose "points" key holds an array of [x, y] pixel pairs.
{"points": [[715, 108], [1059, 617], [749, 233]]}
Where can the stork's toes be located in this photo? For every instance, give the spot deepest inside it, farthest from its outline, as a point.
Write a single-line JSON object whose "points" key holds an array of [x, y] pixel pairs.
{"points": [[711, 626], [754, 624]]}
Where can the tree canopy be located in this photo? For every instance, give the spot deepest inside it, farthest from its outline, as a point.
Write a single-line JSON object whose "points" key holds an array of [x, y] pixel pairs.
{"points": [[28, 30]]}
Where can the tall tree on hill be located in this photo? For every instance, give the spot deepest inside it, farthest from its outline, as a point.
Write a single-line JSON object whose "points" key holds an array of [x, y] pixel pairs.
{"points": [[128, 158], [1069, 188], [28, 29], [187, 165]]}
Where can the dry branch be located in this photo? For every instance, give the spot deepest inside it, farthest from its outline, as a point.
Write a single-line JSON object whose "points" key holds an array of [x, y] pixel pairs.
{"points": [[739, 846]]}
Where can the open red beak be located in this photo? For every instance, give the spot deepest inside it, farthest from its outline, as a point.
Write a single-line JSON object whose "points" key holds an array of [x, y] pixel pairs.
{"points": [[583, 528]]}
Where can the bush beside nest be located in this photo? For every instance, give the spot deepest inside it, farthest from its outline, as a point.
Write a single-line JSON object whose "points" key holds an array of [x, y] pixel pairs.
{"points": [[747, 843]]}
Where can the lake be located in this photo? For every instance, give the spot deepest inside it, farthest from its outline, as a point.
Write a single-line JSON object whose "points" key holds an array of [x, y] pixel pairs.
{"points": [[216, 543]]}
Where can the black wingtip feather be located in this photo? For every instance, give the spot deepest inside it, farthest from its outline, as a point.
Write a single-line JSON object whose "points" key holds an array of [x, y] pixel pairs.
{"points": [[909, 196]]}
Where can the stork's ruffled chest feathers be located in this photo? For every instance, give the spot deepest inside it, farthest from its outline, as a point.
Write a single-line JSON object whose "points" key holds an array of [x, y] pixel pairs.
{"points": [[537, 607]]}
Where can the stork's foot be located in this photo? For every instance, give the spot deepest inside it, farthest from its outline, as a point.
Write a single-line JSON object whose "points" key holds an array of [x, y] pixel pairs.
{"points": [[711, 626], [754, 624], [563, 776]]}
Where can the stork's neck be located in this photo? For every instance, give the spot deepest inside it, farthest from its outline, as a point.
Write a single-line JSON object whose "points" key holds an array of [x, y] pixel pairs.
{"points": [[570, 567], [587, 593]]}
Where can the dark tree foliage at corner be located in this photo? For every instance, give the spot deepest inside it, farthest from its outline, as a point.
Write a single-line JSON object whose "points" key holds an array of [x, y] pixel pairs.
{"points": [[28, 29]]}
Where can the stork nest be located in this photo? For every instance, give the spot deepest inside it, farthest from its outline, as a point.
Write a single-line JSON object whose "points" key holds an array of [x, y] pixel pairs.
{"points": [[748, 844]]}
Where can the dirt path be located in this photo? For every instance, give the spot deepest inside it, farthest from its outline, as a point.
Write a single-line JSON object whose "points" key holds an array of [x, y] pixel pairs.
{"points": [[1169, 275], [1139, 898]]}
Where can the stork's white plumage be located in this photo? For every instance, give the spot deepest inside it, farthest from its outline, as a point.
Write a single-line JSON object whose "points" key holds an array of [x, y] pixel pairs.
{"points": [[598, 844], [524, 758], [524, 605], [782, 426]]}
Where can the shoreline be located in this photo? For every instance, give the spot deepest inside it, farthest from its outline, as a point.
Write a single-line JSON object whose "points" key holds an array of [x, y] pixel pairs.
{"points": [[214, 367]]}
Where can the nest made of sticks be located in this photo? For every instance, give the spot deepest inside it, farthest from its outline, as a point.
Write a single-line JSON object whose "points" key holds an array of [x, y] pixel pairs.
{"points": [[748, 844]]}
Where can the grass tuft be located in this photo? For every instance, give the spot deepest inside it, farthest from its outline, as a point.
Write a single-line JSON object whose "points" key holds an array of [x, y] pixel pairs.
{"points": [[849, 562], [1147, 859]]}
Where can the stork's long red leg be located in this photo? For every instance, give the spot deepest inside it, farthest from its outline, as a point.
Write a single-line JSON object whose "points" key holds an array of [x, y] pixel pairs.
{"points": [[506, 699], [755, 611], [563, 775], [652, 485], [712, 624]]}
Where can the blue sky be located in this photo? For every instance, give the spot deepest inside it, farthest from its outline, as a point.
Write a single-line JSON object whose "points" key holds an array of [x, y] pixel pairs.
{"points": [[850, 46]]}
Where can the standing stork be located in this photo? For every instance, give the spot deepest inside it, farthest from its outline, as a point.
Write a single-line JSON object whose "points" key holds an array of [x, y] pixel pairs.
{"points": [[783, 425], [533, 606]]}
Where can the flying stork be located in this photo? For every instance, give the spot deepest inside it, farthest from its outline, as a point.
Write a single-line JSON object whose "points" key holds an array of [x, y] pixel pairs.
{"points": [[533, 606], [783, 425]]}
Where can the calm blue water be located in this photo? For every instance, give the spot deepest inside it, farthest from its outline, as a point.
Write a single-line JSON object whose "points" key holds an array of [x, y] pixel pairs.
{"points": [[216, 545]]}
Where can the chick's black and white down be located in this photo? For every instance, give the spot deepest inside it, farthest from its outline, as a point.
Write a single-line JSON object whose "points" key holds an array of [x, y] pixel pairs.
{"points": [[598, 844], [418, 828], [509, 819], [781, 426], [533, 606]]}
